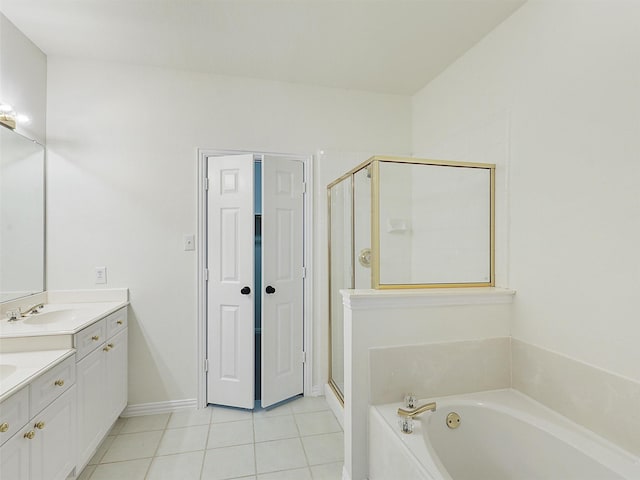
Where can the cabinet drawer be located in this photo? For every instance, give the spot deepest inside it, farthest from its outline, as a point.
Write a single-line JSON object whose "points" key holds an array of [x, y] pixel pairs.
{"points": [[46, 388], [14, 413], [116, 322], [90, 338]]}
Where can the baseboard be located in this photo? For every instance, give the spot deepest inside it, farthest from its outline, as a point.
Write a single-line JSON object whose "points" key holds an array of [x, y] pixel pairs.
{"points": [[159, 407]]}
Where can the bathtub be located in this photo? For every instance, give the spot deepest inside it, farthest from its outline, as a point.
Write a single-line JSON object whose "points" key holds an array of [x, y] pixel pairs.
{"points": [[503, 435]]}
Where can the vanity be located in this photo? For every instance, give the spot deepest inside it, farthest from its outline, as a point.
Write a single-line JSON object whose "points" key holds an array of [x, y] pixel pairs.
{"points": [[63, 381], [63, 354]]}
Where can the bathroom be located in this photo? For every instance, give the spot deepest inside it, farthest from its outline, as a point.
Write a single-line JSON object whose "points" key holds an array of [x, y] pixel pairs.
{"points": [[549, 96]]}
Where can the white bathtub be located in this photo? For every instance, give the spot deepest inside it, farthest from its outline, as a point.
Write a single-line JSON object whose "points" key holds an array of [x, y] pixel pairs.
{"points": [[503, 435]]}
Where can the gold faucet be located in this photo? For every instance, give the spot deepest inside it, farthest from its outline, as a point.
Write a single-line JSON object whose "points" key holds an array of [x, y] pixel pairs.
{"points": [[431, 406], [33, 309]]}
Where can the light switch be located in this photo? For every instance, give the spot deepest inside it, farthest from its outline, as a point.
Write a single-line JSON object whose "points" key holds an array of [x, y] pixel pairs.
{"points": [[189, 242], [101, 274]]}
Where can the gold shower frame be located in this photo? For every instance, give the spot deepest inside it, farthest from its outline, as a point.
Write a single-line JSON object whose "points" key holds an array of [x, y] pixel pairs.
{"points": [[374, 163]]}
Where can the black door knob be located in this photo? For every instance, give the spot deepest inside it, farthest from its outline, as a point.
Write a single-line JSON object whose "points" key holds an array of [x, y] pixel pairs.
{"points": [[270, 289], [245, 291]]}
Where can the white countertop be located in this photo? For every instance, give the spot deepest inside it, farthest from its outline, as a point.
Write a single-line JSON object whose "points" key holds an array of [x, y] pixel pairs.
{"points": [[76, 317], [21, 368]]}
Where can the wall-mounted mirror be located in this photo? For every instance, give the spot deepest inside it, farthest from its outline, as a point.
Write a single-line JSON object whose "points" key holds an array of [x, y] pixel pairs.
{"points": [[21, 215]]}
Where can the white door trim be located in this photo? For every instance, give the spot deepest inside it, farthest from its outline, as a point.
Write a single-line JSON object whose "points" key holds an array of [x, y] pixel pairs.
{"points": [[201, 249]]}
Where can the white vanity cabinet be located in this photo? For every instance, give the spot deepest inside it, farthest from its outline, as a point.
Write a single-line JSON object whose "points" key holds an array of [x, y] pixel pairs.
{"points": [[101, 381], [43, 446]]}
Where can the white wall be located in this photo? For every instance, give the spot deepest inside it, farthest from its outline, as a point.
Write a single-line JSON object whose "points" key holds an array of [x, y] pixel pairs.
{"points": [[553, 97], [23, 79], [122, 176]]}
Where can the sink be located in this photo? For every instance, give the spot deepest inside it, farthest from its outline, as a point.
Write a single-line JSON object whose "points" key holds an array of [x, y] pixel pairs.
{"points": [[6, 370], [50, 317]]}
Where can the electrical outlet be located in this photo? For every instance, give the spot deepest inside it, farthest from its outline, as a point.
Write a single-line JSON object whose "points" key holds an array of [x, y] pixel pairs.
{"points": [[101, 274], [189, 242]]}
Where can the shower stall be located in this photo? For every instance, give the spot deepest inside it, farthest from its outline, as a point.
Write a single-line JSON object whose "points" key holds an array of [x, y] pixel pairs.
{"points": [[399, 223]]}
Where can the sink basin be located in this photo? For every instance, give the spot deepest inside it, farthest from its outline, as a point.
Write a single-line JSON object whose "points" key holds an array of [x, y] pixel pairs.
{"points": [[50, 317], [6, 370]]}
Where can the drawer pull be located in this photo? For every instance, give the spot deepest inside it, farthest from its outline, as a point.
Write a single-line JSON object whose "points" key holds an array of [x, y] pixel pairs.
{"points": [[39, 425], [110, 345], [107, 348], [4, 427], [30, 434], [119, 322], [59, 383], [95, 338]]}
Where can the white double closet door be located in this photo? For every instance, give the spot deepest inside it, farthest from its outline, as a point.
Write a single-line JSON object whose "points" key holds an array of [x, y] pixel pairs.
{"points": [[231, 283]]}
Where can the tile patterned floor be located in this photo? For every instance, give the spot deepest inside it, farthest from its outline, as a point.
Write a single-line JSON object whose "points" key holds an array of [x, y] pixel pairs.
{"points": [[300, 440]]}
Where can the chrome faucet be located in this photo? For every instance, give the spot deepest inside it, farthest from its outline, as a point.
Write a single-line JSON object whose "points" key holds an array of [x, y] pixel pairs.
{"points": [[34, 309], [431, 406]]}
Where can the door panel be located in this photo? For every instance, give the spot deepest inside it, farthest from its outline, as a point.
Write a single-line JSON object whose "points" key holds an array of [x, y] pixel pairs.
{"points": [[282, 308], [230, 306]]}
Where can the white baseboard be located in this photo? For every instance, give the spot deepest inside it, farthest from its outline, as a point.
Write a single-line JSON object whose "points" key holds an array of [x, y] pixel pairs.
{"points": [[159, 407]]}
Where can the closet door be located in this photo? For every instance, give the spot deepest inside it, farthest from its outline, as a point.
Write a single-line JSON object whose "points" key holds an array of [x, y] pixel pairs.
{"points": [[230, 297], [282, 279]]}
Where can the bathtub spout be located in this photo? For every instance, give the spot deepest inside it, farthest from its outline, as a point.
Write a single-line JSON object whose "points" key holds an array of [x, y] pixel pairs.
{"points": [[431, 406]]}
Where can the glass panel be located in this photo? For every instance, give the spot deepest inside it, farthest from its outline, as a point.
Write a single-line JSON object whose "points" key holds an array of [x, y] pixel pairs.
{"points": [[435, 224], [341, 270], [21, 216], [362, 227]]}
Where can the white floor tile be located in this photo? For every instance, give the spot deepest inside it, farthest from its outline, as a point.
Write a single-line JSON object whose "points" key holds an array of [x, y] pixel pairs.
{"points": [[146, 423], [317, 422], [117, 426], [184, 466], [279, 455], [132, 446], [102, 449], [329, 471], [180, 440], [297, 474], [130, 470], [228, 434], [328, 448], [275, 428], [189, 418], [229, 462], [309, 404], [284, 409], [225, 414]]}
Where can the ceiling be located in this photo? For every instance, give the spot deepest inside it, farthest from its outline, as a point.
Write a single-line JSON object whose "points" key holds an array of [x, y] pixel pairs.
{"points": [[385, 46]]}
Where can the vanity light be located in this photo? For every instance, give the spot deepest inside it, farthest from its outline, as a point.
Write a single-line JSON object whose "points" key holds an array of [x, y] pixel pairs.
{"points": [[10, 118], [7, 115]]}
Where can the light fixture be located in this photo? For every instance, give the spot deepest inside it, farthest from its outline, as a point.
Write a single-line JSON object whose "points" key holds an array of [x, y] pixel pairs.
{"points": [[7, 115], [10, 118]]}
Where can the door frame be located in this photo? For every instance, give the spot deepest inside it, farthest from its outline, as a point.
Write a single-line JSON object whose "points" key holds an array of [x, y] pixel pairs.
{"points": [[201, 248]]}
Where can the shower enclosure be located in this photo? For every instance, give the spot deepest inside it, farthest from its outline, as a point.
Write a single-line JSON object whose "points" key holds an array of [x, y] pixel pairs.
{"points": [[407, 223]]}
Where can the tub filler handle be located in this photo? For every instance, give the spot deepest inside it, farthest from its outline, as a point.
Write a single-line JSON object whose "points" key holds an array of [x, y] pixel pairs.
{"points": [[427, 407]]}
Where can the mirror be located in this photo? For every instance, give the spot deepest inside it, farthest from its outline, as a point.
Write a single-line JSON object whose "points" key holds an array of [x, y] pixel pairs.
{"points": [[434, 225], [21, 215], [340, 274]]}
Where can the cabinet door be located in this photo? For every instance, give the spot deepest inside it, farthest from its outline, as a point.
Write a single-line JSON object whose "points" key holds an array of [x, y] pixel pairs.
{"points": [[92, 403], [53, 447], [117, 381], [14, 457]]}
